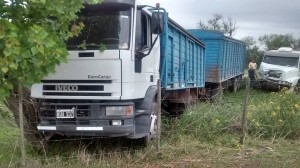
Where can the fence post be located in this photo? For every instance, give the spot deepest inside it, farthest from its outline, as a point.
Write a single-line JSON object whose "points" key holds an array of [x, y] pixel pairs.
{"points": [[158, 114], [244, 119], [21, 119]]}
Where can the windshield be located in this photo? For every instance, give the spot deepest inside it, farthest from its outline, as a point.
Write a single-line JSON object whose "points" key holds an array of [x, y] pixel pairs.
{"points": [[105, 29], [282, 61]]}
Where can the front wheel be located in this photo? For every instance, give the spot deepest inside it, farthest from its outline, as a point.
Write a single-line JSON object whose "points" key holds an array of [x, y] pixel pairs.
{"points": [[153, 125], [297, 87]]}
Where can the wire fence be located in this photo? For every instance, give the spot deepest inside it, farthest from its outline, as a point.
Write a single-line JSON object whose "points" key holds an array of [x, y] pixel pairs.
{"points": [[222, 99]]}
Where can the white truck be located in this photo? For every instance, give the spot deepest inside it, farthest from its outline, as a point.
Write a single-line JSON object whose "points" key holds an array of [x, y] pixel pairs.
{"points": [[108, 87], [280, 68]]}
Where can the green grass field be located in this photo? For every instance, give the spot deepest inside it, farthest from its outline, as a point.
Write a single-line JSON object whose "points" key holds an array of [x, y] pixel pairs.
{"points": [[9, 134], [206, 135]]}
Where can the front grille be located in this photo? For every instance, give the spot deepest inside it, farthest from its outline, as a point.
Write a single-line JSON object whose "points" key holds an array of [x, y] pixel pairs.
{"points": [[48, 111], [274, 74], [66, 122], [74, 94], [83, 122], [75, 87], [79, 87]]}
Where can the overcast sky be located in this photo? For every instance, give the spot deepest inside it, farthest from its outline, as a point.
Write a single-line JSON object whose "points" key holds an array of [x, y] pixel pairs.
{"points": [[253, 17]]}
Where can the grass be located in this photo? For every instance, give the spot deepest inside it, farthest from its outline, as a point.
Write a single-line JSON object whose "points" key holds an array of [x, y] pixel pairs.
{"points": [[277, 116], [9, 133], [206, 135]]}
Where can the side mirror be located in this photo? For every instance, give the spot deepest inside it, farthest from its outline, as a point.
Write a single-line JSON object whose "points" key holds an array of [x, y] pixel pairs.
{"points": [[141, 54], [157, 22]]}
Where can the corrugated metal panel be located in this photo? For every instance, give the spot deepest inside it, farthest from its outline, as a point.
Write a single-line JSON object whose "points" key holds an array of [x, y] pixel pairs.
{"points": [[225, 57], [183, 58], [212, 70]]}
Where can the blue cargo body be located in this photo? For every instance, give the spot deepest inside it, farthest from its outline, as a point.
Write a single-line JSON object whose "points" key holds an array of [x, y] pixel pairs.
{"points": [[182, 59], [225, 56]]}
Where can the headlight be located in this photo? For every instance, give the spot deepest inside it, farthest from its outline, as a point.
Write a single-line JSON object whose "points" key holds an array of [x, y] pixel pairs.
{"points": [[119, 110], [284, 83]]}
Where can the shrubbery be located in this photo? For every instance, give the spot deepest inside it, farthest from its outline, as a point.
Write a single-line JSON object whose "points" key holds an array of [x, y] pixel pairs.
{"points": [[276, 117], [270, 115], [208, 122]]}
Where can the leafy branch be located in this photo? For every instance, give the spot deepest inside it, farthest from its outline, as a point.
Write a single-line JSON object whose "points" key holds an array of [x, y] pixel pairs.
{"points": [[32, 35]]}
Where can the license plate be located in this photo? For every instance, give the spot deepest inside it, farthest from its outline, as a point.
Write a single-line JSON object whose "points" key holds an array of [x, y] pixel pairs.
{"points": [[65, 113]]}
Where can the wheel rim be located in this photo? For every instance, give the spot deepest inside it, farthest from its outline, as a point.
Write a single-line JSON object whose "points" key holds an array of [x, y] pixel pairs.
{"points": [[153, 117]]}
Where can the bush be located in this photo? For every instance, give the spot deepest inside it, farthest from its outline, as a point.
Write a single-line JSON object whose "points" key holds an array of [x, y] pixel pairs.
{"points": [[4, 112], [278, 116], [208, 122], [270, 115]]}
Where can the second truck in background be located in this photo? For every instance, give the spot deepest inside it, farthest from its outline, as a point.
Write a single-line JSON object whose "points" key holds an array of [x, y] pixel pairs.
{"points": [[225, 60]]}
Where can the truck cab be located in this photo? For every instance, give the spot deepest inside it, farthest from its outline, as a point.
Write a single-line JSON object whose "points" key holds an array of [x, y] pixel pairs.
{"points": [[107, 87], [280, 68]]}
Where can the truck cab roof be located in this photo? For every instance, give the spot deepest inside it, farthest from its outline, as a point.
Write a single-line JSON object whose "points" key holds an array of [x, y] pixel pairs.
{"points": [[283, 52]]}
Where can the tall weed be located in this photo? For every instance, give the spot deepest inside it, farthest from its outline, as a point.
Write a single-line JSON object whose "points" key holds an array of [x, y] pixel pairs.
{"points": [[4, 112], [270, 115], [209, 122], [276, 116]]}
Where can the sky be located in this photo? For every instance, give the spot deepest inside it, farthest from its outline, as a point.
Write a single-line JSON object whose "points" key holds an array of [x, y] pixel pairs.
{"points": [[253, 17]]}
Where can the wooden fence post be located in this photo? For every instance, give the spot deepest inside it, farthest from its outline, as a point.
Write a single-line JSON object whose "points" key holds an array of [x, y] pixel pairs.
{"points": [[244, 119], [158, 114], [21, 118]]}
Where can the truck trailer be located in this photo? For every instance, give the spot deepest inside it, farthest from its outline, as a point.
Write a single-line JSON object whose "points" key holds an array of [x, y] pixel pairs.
{"points": [[108, 86], [225, 60]]}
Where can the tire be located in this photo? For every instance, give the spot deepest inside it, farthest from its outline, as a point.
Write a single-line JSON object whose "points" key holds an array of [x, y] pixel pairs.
{"points": [[235, 85], [216, 93], [297, 87], [239, 80]]}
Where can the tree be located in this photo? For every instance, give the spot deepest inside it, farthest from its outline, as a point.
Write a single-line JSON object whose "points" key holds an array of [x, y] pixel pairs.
{"points": [[214, 23], [252, 50], [218, 23], [32, 35], [275, 41], [32, 43], [254, 53], [229, 27], [250, 41]]}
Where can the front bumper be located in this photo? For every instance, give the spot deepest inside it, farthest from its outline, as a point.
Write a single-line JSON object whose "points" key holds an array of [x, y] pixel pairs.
{"points": [[102, 131], [89, 119], [274, 84]]}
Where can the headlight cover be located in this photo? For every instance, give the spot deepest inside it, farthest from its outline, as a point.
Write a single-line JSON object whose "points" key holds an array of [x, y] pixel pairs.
{"points": [[285, 83], [119, 110]]}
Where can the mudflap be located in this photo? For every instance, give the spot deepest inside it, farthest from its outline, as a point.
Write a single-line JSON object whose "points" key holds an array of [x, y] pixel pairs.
{"points": [[142, 126], [143, 114]]}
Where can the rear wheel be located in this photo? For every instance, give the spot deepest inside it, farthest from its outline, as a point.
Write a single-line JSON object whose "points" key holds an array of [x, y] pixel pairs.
{"points": [[216, 93], [234, 87], [239, 80]]}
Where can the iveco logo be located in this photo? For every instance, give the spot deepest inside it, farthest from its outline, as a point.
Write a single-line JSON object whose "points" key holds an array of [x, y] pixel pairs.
{"points": [[66, 87]]}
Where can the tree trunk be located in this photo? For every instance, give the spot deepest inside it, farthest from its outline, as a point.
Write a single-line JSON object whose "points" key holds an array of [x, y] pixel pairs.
{"points": [[32, 135]]}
